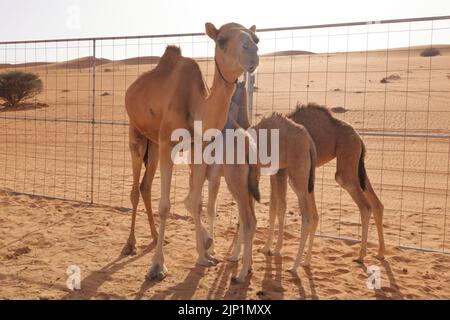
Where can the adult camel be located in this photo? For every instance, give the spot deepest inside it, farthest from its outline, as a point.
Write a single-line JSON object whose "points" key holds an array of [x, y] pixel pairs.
{"points": [[237, 118], [172, 96]]}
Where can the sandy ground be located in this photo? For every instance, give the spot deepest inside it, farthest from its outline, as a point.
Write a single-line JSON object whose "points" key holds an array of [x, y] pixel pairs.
{"points": [[57, 158], [41, 238]]}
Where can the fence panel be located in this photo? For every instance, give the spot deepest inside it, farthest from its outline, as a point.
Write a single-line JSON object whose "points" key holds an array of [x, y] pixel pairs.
{"points": [[71, 141]]}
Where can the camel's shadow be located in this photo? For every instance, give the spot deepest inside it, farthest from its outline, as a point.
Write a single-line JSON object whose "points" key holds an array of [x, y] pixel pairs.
{"points": [[96, 279]]}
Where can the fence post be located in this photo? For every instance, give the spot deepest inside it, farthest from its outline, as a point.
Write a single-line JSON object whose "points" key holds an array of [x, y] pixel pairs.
{"points": [[93, 119]]}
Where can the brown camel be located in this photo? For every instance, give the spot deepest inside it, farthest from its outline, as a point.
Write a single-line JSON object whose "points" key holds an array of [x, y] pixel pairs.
{"points": [[335, 138], [172, 96], [237, 118], [298, 164]]}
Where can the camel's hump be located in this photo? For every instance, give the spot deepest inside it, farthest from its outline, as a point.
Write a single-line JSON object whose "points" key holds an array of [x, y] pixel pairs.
{"points": [[170, 56]]}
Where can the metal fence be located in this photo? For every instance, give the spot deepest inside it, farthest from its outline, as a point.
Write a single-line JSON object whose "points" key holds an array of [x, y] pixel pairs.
{"points": [[71, 141]]}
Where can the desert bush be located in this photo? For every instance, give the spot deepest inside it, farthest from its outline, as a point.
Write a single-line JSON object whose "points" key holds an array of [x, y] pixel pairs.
{"points": [[17, 86], [430, 52]]}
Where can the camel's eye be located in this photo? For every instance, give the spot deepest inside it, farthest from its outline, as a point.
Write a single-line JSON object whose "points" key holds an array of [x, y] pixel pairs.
{"points": [[256, 39], [222, 42]]}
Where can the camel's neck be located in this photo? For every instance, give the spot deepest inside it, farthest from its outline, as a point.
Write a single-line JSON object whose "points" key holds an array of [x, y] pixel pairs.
{"points": [[216, 111]]}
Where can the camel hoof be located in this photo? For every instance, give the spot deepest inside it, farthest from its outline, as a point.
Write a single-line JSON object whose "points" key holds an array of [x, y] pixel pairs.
{"points": [[264, 250], [233, 258], [129, 249], [293, 271], [359, 260], [211, 258], [203, 261], [380, 256], [274, 253], [237, 280], [157, 272]]}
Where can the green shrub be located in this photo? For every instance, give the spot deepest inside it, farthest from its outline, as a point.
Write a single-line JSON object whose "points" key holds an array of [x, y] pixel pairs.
{"points": [[17, 86]]}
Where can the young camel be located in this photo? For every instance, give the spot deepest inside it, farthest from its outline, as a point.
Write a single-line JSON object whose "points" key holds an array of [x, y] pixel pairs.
{"points": [[296, 163], [172, 96], [334, 138]]}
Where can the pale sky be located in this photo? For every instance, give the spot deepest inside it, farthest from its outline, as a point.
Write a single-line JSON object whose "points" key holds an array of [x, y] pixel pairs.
{"points": [[53, 19], [48, 19]]}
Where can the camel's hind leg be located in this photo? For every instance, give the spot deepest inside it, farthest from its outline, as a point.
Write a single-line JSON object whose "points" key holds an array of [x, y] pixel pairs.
{"points": [[278, 188], [281, 178], [138, 146], [146, 185], [315, 222], [377, 209], [348, 156], [158, 269], [299, 182], [272, 215]]}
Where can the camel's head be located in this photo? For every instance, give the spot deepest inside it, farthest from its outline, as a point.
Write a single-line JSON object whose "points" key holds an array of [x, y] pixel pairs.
{"points": [[236, 49]]}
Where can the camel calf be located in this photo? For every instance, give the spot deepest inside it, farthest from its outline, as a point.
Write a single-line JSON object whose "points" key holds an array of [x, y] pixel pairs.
{"points": [[335, 138], [297, 161]]}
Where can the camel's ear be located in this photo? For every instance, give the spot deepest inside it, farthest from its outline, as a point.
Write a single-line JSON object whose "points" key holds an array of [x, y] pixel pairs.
{"points": [[253, 28], [211, 31]]}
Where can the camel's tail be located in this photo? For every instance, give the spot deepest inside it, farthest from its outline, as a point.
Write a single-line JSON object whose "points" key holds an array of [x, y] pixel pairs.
{"points": [[253, 182], [361, 167], [312, 169]]}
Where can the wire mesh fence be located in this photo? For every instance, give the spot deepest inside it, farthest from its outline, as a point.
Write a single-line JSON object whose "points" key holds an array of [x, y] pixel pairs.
{"points": [[389, 79]]}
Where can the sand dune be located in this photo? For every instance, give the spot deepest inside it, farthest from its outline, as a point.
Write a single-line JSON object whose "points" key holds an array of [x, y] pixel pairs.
{"points": [[287, 53]]}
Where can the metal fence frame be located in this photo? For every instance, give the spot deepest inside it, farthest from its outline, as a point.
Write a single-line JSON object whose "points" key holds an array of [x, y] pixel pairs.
{"points": [[95, 121]]}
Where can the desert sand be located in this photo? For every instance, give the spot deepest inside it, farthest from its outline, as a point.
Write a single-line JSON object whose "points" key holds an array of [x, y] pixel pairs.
{"points": [[40, 237]]}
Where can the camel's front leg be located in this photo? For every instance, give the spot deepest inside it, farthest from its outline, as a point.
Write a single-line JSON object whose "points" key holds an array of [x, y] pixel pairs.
{"points": [[158, 269], [204, 241], [237, 244], [236, 177], [213, 190], [188, 200], [272, 215]]}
